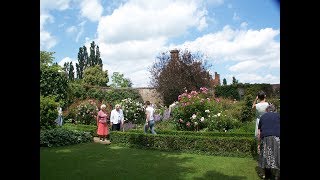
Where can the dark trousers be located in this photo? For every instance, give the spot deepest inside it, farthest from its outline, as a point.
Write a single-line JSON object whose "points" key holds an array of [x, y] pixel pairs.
{"points": [[115, 127]]}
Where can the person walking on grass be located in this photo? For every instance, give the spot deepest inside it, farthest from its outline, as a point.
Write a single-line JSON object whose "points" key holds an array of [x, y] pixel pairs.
{"points": [[102, 125], [150, 120]]}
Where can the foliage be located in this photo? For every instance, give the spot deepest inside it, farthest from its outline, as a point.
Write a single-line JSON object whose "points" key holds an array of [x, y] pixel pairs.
{"points": [[82, 61], [171, 75], [85, 61], [227, 91], [87, 112], [222, 146], [246, 127], [69, 70], [165, 125], [116, 95], [48, 112], [133, 111], [193, 110], [199, 111], [276, 102], [247, 113], [234, 81], [223, 121], [224, 81], [62, 137], [53, 81], [77, 91], [92, 129], [46, 58], [95, 76], [118, 80], [253, 89]]}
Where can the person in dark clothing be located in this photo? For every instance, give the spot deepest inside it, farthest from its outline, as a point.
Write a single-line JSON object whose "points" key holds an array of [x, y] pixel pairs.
{"points": [[269, 143]]}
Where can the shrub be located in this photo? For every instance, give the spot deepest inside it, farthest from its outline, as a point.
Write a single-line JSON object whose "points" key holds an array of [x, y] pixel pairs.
{"points": [[133, 111], [222, 121], [62, 137], [87, 112], [194, 109], [48, 112]]}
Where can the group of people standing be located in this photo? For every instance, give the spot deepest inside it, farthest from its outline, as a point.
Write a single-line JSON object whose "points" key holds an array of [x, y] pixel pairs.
{"points": [[116, 120], [267, 133]]}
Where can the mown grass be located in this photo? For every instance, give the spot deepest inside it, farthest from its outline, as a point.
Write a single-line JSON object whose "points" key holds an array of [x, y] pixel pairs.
{"points": [[91, 161]]}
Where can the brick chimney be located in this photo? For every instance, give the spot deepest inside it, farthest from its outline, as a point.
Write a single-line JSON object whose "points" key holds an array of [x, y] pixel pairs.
{"points": [[174, 54], [216, 80]]}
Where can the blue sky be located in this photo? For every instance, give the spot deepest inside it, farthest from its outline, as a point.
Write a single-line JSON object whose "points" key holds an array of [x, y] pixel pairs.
{"points": [[239, 38]]}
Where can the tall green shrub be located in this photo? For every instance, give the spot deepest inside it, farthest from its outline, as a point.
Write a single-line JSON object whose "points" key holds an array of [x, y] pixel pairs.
{"points": [[48, 112]]}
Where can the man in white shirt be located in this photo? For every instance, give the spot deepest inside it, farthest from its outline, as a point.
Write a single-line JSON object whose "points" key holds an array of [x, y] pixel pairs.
{"points": [[116, 118], [149, 118]]}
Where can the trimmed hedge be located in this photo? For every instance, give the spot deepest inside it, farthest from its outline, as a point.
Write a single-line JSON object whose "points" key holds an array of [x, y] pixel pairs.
{"points": [[222, 146], [81, 127], [200, 133], [62, 137]]}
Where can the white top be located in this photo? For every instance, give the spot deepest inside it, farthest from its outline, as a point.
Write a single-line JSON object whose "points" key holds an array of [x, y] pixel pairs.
{"points": [[60, 111], [260, 110], [150, 110], [116, 116]]}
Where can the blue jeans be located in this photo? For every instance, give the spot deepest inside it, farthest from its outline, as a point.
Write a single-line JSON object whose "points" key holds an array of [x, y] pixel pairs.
{"points": [[150, 125]]}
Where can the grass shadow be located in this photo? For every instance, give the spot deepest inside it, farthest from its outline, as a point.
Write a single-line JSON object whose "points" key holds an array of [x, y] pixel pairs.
{"points": [[219, 176], [97, 161]]}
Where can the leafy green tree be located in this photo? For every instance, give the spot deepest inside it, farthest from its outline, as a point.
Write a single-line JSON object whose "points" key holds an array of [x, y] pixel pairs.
{"points": [[224, 82], [95, 76], [172, 74], [53, 80], [234, 81], [118, 80], [92, 57], [85, 61], [71, 72], [98, 58], [46, 58], [82, 61]]}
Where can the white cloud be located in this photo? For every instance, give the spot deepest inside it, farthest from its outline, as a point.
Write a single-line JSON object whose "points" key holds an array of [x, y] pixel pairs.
{"points": [[254, 51], [71, 29], [256, 78], [244, 25], [203, 24], [57, 4], [236, 17], [132, 35], [214, 2], [246, 66], [140, 30], [132, 58], [141, 20], [238, 45], [91, 9], [47, 40]]}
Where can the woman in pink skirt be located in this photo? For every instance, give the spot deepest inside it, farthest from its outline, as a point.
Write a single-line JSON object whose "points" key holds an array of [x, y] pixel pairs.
{"points": [[102, 118]]}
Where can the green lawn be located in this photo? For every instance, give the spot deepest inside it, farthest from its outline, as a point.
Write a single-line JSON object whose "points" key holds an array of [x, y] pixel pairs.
{"points": [[93, 161]]}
